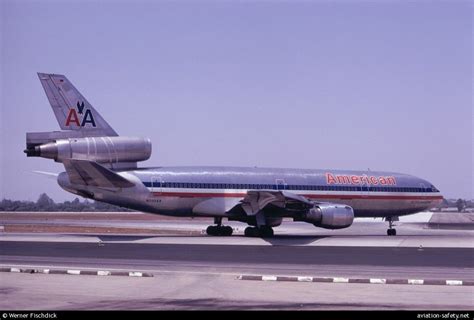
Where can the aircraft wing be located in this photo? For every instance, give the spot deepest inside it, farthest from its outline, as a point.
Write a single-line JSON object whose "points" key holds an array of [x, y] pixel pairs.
{"points": [[90, 173], [255, 201]]}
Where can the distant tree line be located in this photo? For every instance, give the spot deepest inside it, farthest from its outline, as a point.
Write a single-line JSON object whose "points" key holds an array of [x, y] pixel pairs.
{"points": [[45, 203], [460, 204]]}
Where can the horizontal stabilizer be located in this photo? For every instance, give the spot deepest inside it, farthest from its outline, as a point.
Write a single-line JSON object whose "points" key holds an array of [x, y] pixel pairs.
{"points": [[90, 173], [51, 175]]}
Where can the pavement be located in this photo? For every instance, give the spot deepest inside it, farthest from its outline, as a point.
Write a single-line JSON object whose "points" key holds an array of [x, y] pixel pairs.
{"points": [[301, 268]]}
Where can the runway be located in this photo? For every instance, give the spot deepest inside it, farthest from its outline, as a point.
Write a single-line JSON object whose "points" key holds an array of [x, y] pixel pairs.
{"points": [[191, 271], [309, 257]]}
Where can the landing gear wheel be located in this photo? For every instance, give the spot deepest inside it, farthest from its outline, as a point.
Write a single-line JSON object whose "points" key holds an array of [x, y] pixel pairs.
{"points": [[211, 231], [219, 230], [251, 232], [266, 232], [391, 232], [227, 231]]}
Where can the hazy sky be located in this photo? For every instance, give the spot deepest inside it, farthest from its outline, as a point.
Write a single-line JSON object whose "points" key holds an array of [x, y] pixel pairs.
{"points": [[313, 84]]}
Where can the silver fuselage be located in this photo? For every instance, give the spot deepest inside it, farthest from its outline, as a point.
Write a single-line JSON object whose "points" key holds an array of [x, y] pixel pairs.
{"points": [[175, 191]]}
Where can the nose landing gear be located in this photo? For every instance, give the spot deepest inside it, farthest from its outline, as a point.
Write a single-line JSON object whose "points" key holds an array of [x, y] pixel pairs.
{"points": [[391, 231]]}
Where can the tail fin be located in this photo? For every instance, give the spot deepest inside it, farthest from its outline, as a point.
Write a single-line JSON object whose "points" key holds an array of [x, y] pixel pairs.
{"points": [[71, 109]]}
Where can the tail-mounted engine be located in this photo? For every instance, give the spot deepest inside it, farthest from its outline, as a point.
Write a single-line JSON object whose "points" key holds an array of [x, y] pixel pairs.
{"points": [[330, 216], [105, 150]]}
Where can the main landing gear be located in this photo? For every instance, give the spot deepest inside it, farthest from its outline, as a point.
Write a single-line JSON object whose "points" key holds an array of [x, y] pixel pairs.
{"points": [[391, 231], [263, 231], [219, 229]]}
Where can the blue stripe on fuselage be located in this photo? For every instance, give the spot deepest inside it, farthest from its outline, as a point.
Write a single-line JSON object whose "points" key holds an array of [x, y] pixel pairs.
{"points": [[235, 186]]}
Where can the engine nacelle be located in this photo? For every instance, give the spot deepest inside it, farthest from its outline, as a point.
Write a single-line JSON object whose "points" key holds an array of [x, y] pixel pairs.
{"points": [[99, 149], [330, 216]]}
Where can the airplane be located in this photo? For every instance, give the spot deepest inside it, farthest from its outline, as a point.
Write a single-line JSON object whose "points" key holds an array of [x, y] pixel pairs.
{"points": [[101, 165]]}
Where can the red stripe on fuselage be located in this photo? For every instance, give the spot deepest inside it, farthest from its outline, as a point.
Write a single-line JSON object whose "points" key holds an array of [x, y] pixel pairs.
{"points": [[314, 196], [199, 195]]}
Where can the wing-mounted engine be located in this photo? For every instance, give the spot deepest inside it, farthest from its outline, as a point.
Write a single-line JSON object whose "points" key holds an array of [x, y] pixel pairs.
{"points": [[109, 151], [329, 216], [325, 215]]}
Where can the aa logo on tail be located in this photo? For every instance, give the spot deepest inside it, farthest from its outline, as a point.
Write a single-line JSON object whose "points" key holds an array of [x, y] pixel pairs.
{"points": [[80, 117]]}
